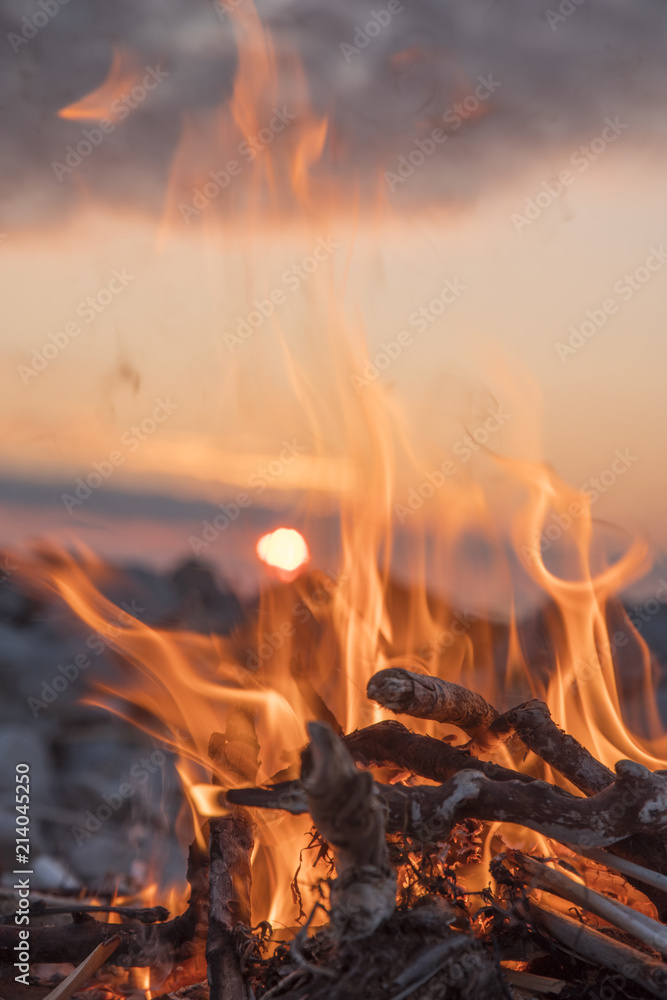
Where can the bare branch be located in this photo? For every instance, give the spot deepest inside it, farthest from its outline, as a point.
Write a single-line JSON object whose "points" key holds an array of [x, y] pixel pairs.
{"points": [[427, 697], [346, 810], [635, 803]]}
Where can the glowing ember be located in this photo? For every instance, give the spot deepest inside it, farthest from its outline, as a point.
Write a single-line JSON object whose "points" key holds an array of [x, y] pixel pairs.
{"points": [[283, 548]]}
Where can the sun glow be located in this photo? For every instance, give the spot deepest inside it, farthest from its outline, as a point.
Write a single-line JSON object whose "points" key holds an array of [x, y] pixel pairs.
{"points": [[284, 548]]}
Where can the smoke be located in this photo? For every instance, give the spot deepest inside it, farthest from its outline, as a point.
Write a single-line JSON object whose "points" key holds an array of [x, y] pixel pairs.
{"points": [[387, 74]]}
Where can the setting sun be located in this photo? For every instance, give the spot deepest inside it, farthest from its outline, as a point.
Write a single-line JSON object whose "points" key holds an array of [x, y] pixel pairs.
{"points": [[284, 548]]}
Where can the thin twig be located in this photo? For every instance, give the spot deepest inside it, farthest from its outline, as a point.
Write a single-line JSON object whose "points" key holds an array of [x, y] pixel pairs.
{"points": [[80, 976], [642, 927], [145, 915], [629, 868], [598, 949]]}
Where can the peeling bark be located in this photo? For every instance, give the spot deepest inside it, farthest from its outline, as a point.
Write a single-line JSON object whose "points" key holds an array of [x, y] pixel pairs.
{"points": [[635, 803], [426, 697], [347, 813]]}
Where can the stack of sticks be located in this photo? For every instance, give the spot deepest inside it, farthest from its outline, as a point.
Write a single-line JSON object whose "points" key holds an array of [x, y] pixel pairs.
{"points": [[543, 930], [586, 921]]}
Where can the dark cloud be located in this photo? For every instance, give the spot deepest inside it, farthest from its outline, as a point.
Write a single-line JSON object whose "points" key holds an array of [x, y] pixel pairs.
{"points": [[559, 80]]}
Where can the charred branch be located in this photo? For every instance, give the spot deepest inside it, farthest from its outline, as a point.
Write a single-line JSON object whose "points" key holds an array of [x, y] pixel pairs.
{"points": [[635, 803], [145, 915], [347, 813], [231, 840], [533, 724], [390, 742], [426, 697]]}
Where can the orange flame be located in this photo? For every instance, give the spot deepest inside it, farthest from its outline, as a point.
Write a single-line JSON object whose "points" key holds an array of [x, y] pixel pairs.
{"points": [[105, 102]]}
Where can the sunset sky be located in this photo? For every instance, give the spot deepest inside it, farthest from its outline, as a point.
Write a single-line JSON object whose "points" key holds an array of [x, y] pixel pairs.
{"points": [[162, 332]]}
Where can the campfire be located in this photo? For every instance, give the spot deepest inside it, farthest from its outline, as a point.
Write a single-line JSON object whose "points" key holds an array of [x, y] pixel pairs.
{"points": [[429, 766], [457, 850]]}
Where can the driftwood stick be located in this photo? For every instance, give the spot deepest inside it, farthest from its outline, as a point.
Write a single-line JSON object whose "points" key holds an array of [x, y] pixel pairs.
{"points": [[426, 697], [598, 949], [533, 724], [346, 810], [638, 873], [635, 803], [145, 915], [390, 742], [231, 840], [80, 976], [642, 927], [649, 876]]}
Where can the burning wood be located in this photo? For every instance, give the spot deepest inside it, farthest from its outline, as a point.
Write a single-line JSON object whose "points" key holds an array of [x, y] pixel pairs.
{"points": [[84, 971], [634, 802], [599, 949], [432, 698], [651, 932], [348, 814], [427, 697], [395, 849], [429, 814], [231, 841]]}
